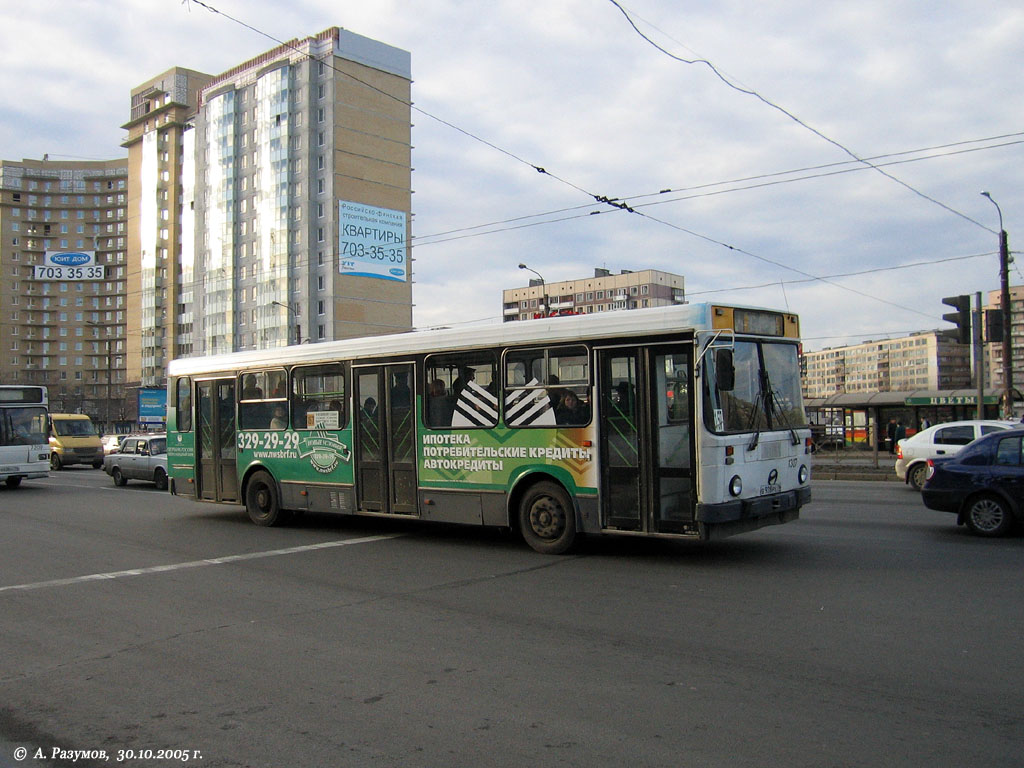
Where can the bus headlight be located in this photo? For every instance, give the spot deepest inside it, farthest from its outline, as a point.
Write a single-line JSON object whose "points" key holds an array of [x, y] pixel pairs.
{"points": [[736, 485], [803, 474]]}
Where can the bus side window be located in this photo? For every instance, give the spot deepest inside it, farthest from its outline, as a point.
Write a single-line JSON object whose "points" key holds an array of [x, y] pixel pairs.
{"points": [[547, 387], [319, 397], [461, 391], [263, 394], [183, 404]]}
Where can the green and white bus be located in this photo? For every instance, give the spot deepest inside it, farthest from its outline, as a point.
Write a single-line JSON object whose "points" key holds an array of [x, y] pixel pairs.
{"points": [[683, 421]]}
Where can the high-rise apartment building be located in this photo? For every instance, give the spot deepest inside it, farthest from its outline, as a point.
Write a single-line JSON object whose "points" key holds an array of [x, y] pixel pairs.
{"points": [[926, 360], [63, 275], [604, 292], [273, 201], [994, 356], [160, 161]]}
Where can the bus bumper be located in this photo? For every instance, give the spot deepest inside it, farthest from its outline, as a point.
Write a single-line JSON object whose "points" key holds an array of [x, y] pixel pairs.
{"points": [[718, 520]]}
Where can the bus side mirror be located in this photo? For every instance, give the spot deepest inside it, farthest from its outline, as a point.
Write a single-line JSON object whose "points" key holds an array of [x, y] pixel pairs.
{"points": [[725, 372]]}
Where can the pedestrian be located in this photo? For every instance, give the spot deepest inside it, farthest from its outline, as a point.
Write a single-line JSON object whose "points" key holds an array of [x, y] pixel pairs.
{"points": [[890, 436]]}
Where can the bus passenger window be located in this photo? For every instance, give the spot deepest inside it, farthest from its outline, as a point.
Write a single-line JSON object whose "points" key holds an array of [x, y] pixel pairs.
{"points": [[259, 391], [183, 419], [461, 391], [318, 397], [547, 387]]}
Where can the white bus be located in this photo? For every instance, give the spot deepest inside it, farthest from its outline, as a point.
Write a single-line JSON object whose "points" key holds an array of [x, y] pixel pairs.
{"points": [[682, 421], [24, 445]]}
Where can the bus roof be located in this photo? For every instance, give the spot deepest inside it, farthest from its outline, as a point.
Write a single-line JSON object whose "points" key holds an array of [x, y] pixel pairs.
{"points": [[570, 328]]}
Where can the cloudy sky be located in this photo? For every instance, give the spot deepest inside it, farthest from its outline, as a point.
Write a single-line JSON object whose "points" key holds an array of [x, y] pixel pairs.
{"points": [[743, 177]]}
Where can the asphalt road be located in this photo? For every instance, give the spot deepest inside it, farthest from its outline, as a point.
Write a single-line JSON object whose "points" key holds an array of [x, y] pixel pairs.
{"points": [[872, 632]]}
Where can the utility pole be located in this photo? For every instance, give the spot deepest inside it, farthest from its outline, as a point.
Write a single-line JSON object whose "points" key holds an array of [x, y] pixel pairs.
{"points": [[979, 354], [1004, 304]]}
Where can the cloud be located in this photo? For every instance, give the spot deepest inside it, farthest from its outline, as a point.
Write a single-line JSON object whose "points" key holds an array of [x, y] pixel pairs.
{"points": [[570, 87]]}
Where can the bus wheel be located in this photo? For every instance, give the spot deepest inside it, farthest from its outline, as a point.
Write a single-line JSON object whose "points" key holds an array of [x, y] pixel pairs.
{"points": [[54, 461], [14, 481], [547, 519], [261, 500]]}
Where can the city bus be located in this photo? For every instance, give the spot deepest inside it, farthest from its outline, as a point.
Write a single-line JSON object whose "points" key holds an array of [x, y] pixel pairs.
{"points": [[24, 447], [683, 421]]}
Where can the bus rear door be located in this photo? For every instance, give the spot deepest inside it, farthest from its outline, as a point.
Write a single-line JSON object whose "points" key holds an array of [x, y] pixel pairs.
{"points": [[646, 441], [216, 451], [385, 452]]}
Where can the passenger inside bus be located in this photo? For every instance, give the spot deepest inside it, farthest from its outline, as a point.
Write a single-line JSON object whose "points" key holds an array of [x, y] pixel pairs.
{"points": [[439, 406], [570, 411], [249, 389], [401, 397], [279, 420]]}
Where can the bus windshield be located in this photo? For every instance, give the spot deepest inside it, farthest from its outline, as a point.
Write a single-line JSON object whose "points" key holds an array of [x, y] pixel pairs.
{"points": [[765, 390], [23, 426]]}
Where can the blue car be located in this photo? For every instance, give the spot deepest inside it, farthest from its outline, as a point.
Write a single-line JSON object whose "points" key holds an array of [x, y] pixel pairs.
{"points": [[983, 483]]}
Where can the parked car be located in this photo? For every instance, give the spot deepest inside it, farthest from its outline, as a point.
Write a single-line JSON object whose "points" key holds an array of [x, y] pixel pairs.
{"points": [[141, 457], [111, 443], [983, 484], [912, 453]]}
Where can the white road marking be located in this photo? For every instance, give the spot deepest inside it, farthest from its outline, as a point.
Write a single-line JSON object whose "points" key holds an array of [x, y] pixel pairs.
{"points": [[193, 564]]}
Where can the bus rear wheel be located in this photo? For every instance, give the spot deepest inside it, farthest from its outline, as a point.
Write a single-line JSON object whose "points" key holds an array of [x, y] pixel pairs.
{"points": [[547, 519], [262, 501]]}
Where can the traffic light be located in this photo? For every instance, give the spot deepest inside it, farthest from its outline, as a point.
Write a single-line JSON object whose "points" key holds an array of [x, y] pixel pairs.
{"points": [[961, 318], [994, 325]]}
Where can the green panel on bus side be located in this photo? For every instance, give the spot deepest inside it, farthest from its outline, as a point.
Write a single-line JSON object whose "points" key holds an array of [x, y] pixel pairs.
{"points": [[305, 456]]}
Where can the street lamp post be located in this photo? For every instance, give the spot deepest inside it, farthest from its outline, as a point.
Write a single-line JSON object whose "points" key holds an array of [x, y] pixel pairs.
{"points": [[106, 406], [294, 311], [547, 308], [1004, 305]]}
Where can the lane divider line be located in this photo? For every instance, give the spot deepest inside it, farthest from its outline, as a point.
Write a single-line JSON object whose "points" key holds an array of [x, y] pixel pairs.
{"points": [[194, 564]]}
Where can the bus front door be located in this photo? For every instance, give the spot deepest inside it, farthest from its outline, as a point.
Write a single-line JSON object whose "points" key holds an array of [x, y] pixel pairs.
{"points": [[216, 449], [385, 451], [647, 445]]}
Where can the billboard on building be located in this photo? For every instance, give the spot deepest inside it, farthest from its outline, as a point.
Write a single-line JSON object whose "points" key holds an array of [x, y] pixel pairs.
{"points": [[69, 265], [371, 241], [152, 406]]}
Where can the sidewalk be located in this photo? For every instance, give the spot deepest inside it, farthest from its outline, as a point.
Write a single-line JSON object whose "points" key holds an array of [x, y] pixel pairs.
{"points": [[853, 464]]}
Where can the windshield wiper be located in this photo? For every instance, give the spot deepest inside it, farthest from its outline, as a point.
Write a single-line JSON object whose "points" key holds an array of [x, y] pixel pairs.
{"points": [[775, 406], [767, 396], [757, 409]]}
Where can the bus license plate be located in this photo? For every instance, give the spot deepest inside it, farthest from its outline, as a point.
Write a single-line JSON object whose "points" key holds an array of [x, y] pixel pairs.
{"points": [[768, 489]]}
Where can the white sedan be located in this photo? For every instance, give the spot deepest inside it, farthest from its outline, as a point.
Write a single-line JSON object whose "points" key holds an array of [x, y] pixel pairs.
{"points": [[912, 453], [141, 457]]}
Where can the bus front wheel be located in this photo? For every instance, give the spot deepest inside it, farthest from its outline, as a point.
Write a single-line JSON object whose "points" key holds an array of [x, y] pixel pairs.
{"points": [[547, 519], [261, 500]]}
